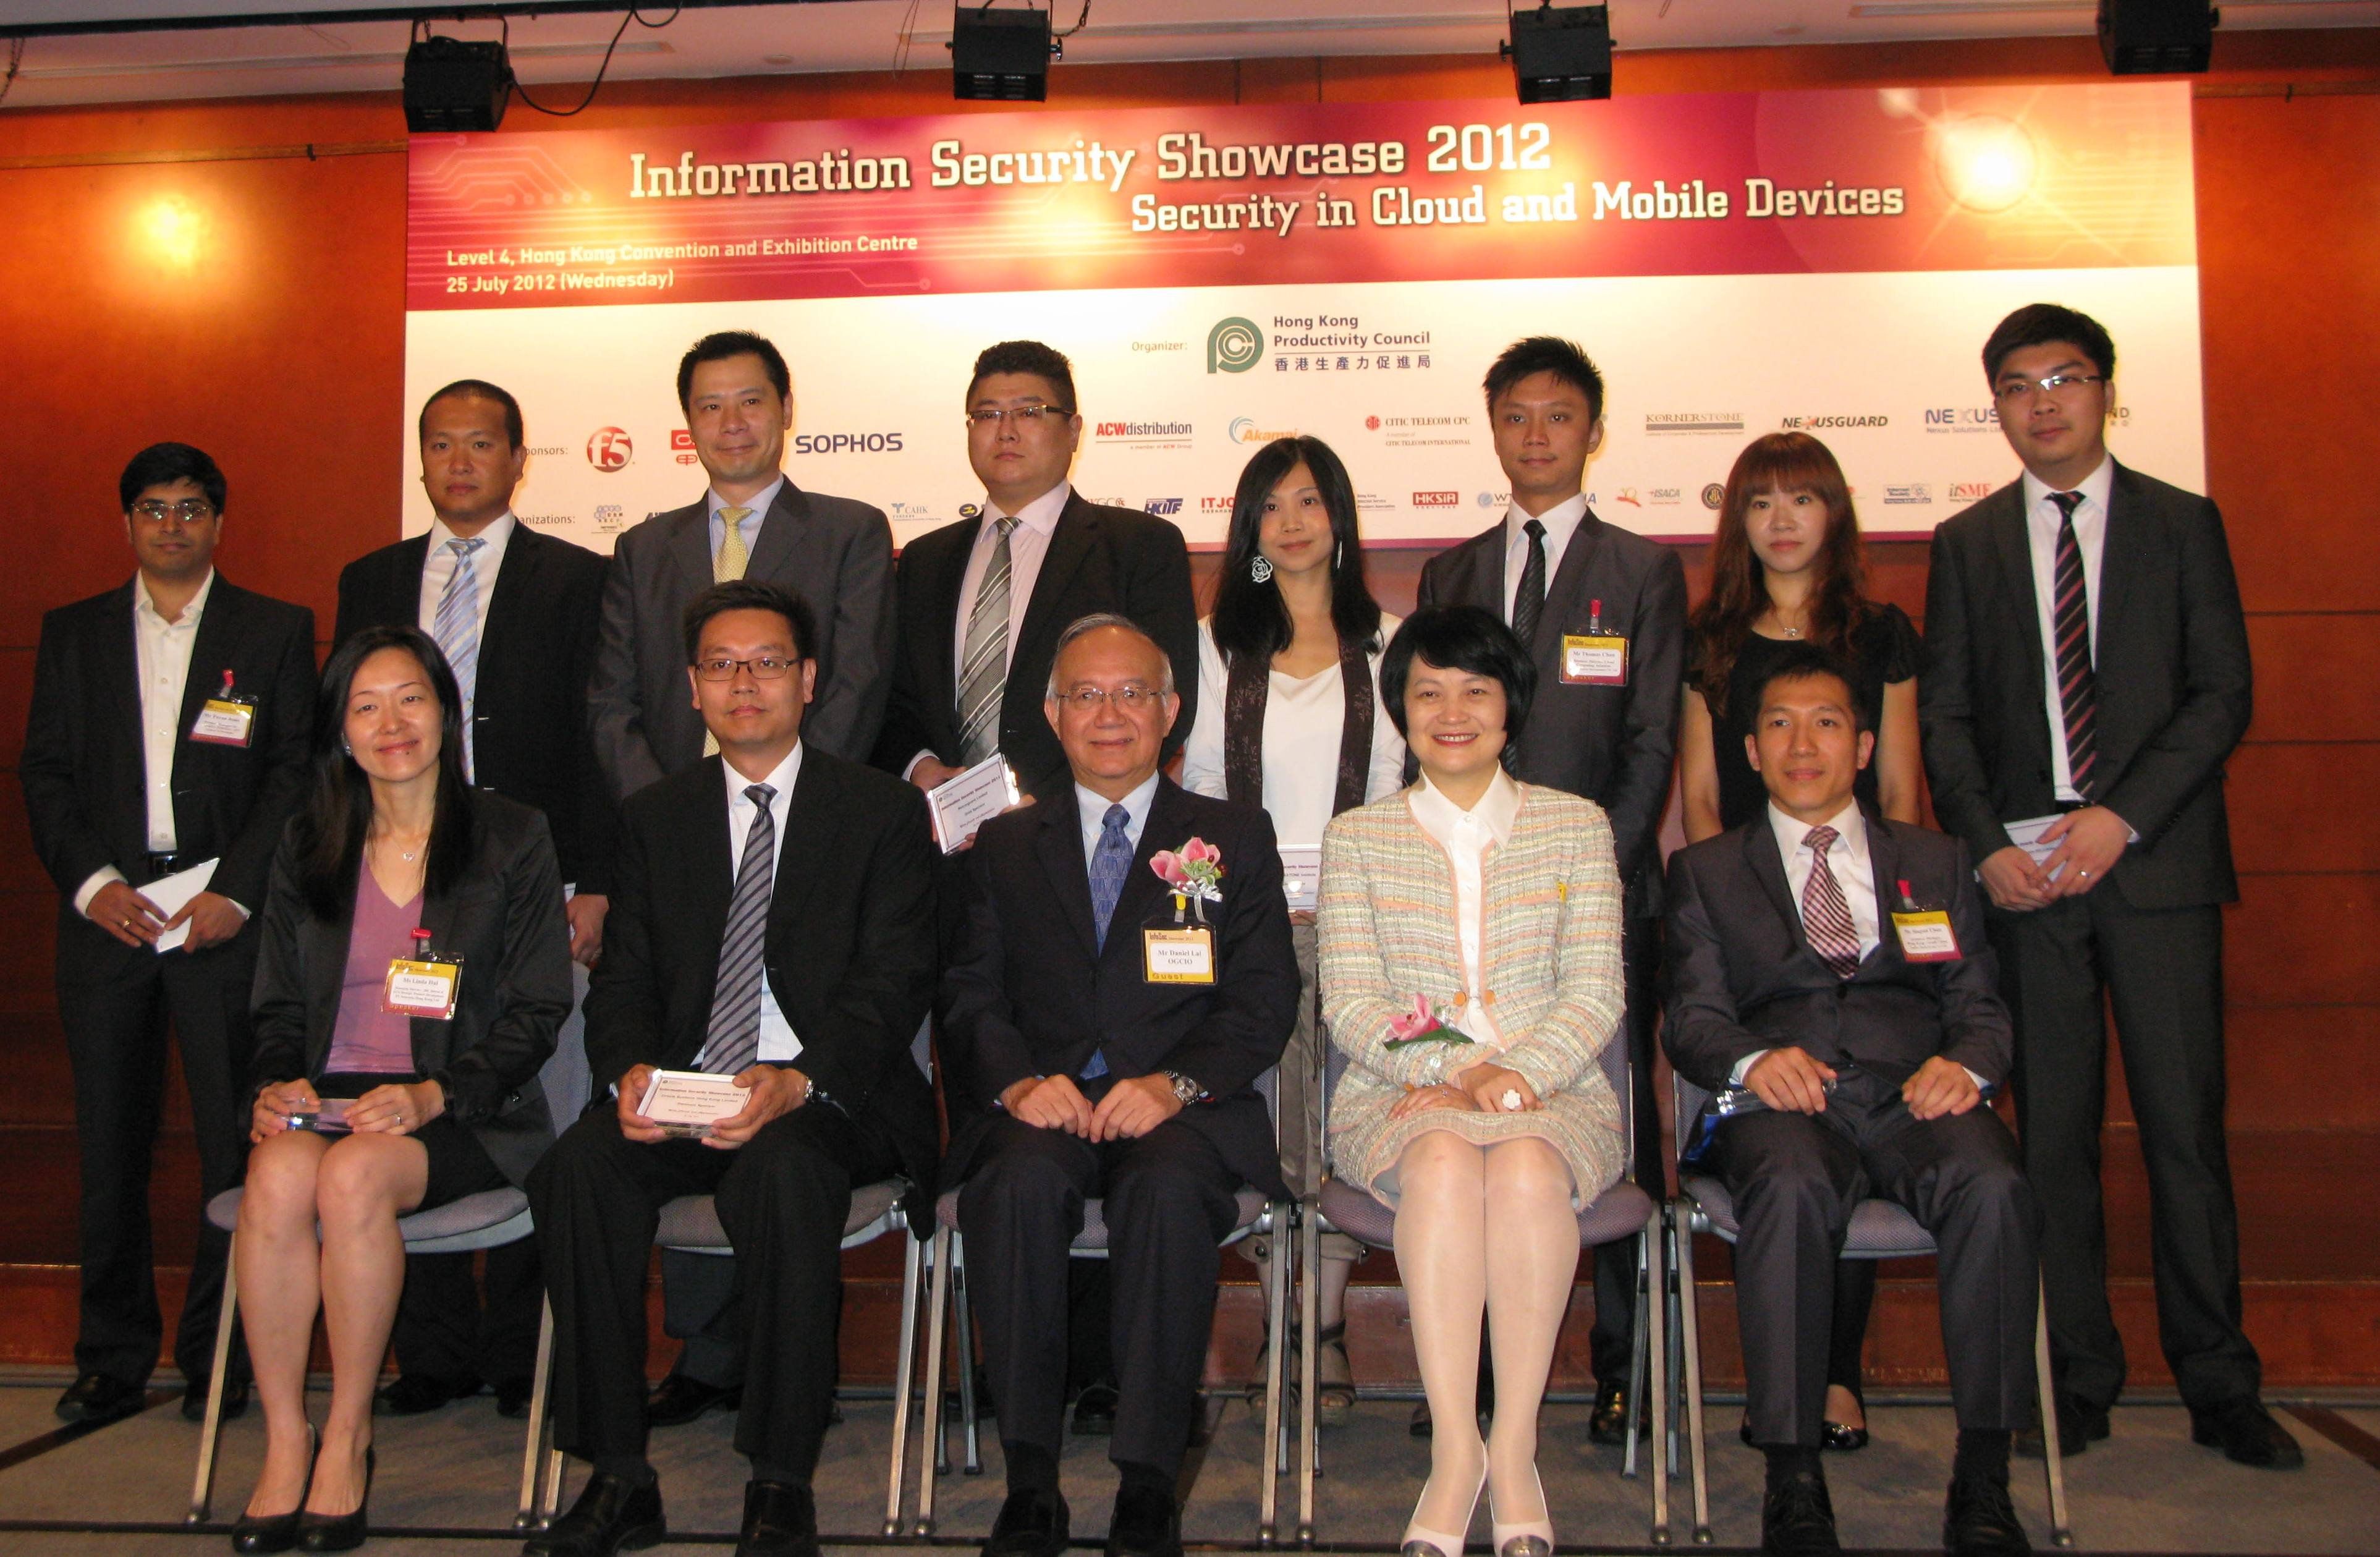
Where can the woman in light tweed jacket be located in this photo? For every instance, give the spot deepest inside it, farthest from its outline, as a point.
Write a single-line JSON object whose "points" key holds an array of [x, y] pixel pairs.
{"points": [[1470, 971]]}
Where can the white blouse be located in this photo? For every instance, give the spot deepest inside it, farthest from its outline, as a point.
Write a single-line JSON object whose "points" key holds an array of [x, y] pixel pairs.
{"points": [[1303, 718], [1467, 836]]}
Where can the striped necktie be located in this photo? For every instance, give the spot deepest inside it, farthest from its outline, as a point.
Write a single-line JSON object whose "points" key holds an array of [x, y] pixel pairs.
{"points": [[983, 671], [456, 628], [730, 564], [1529, 598], [1826, 913], [733, 1039], [2077, 683]]}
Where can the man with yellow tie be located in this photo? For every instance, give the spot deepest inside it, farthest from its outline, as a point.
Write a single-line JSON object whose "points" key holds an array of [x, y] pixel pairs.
{"points": [[836, 555]]}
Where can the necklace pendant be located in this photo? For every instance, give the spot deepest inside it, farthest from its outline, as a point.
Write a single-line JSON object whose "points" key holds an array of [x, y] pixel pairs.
{"points": [[1790, 632]]}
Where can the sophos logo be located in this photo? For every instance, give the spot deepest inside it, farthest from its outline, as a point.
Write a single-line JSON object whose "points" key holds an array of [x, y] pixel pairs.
{"points": [[1234, 347], [846, 442]]}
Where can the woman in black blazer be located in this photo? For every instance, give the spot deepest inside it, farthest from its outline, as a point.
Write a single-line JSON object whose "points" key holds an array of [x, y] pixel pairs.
{"points": [[395, 857]]}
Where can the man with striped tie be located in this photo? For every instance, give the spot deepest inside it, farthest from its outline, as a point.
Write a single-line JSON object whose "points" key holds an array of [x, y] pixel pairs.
{"points": [[1828, 967], [773, 920], [2087, 665]]}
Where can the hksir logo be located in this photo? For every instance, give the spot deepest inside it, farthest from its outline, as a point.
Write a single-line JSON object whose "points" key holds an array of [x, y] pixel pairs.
{"points": [[610, 448], [1234, 346]]}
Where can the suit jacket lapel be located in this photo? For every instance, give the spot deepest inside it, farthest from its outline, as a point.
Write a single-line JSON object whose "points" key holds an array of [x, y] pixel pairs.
{"points": [[1760, 852], [787, 517], [219, 629], [408, 560], [1569, 584], [689, 545], [811, 815], [1078, 528], [1476, 572], [1884, 868], [116, 658], [2119, 545], [1059, 845], [516, 583], [2008, 528], [438, 919]]}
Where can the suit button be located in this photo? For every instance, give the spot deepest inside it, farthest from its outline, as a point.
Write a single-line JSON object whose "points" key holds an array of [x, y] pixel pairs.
{"points": [[1843, 991]]}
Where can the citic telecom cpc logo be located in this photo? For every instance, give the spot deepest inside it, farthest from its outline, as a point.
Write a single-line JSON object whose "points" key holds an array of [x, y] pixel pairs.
{"points": [[1234, 346], [610, 448], [681, 445]]}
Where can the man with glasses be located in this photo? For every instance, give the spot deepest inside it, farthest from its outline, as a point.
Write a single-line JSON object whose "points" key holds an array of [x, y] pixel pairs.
{"points": [[169, 728], [771, 921], [982, 601], [1102, 1032], [2086, 677]]}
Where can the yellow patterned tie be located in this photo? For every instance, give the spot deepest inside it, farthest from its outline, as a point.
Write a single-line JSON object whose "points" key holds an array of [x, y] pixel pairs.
{"points": [[729, 564]]}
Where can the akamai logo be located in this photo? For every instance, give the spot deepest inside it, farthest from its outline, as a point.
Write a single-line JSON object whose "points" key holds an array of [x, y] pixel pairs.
{"points": [[1234, 347], [610, 448]]}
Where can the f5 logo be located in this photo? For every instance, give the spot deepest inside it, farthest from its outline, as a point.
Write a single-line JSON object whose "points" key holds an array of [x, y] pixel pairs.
{"points": [[610, 449]]}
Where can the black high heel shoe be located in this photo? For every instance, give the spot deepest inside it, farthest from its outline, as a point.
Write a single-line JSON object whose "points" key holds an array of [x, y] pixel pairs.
{"points": [[343, 1532], [1833, 1436], [275, 1532]]}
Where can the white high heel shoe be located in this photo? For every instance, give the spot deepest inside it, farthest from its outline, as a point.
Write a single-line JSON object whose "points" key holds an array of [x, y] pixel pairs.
{"points": [[1528, 1537], [1420, 1542]]}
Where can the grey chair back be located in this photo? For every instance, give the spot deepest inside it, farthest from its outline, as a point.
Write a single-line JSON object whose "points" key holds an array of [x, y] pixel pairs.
{"points": [[564, 1078]]}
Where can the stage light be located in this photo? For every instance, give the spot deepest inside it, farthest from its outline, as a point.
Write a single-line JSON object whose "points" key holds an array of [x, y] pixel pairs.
{"points": [[1003, 57], [451, 85], [175, 230], [1987, 163], [2157, 37], [1561, 55]]}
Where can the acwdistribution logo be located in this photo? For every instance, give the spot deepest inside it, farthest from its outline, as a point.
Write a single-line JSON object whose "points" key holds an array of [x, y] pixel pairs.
{"points": [[1234, 346]]}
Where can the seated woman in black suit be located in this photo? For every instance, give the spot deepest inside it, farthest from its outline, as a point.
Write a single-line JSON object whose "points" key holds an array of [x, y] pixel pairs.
{"points": [[392, 841]]}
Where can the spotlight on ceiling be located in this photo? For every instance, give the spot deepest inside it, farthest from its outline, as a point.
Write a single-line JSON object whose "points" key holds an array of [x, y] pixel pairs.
{"points": [[1001, 55], [1561, 55], [453, 85], [2157, 37]]}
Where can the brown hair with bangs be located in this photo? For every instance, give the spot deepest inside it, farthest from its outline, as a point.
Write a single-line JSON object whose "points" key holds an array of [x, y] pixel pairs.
{"points": [[1784, 462]]}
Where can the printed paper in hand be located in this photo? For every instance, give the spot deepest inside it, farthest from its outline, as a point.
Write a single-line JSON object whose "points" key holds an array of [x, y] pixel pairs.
{"points": [[172, 893], [2026, 835], [959, 805], [687, 1102], [1300, 875]]}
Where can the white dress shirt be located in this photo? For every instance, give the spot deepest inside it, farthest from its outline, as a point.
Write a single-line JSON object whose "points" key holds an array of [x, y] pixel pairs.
{"points": [[1560, 522], [438, 567], [2041, 520], [1027, 544], [1304, 719], [759, 503], [1092, 811], [1467, 836], [778, 1044]]}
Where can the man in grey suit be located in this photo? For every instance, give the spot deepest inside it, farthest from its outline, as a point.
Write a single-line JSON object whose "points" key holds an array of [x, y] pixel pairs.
{"points": [[832, 552]]}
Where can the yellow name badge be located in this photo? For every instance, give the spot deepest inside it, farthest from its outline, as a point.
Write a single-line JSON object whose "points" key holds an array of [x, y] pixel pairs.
{"points": [[1926, 937], [1594, 660], [423, 988], [1178, 956], [224, 722]]}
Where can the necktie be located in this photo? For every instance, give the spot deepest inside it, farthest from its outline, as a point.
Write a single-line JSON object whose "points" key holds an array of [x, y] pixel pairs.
{"points": [[456, 628], [1529, 599], [983, 672], [733, 1039], [1110, 861], [2078, 687], [1826, 913], [730, 563]]}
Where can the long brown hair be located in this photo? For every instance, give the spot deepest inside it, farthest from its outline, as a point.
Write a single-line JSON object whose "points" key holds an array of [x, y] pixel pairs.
{"points": [[1739, 592]]}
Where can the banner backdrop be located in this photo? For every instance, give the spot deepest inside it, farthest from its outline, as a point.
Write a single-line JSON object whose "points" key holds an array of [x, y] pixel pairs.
{"points": [[1736, 264]]}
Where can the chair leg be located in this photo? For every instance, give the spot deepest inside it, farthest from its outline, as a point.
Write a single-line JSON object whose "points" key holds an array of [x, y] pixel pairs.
{"points": [[202, 1486], [1309, 1447], [963, 1316], [1278, 1266], [1682, 1229], [904, 1379], [1654, 1316], [1639, 1407], [936, 1305], [540, 1427], [2061, 1531]]}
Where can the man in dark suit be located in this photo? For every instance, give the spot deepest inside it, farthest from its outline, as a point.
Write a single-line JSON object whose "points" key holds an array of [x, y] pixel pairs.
{"points": [[169, 727], [1603, 612], [1830, 968], [801, 967], [982, 601], [2087, 665], [832, 553], [1097, 1045], [514, 612]]}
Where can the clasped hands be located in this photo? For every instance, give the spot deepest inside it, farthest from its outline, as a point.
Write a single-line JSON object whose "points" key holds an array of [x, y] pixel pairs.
{"points": [[395, 1109], [2088, 843], [1133, 1107], [1483, 1088], [776, 1091], [133, 919], [1789, 1081]]}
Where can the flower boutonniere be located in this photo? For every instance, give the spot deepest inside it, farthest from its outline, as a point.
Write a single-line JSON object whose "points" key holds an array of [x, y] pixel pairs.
{"points": [[1421, 1025], [1195, 872]]}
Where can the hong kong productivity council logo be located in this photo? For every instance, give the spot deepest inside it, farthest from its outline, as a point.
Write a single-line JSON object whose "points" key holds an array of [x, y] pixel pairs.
{"points": [[1234, 347]]}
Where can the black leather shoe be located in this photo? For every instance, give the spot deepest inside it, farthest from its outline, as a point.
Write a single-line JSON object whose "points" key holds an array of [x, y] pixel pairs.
{"points": [[611, 1515], [1797, 1519], [99, 1399], [1146, 1523], [512, 1398], [1419, 1424], [1030, 1525], [779, 1521], [234, 1401], [678, 1400], [2246, 1432], [1095, 1411], [411, 1394], [2079, 1425], [277, 1532], [1836, 1439], [1610, 1423], [1979, 1521], [338, 1532]]}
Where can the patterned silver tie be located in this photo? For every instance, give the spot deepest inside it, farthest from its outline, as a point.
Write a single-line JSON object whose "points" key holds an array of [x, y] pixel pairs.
{"points": [[1825, 912], [983, 670], [734, 1041], [456, 628]]}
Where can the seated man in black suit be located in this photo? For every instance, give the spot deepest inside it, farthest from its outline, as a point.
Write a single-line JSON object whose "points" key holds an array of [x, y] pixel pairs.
{"points": [[1102, 1035], [801, 967], [1832, 964]]}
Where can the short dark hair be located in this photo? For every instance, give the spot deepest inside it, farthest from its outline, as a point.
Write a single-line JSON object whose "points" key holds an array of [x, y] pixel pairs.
{"points": [[720, 345], [750, 594], [1807, 662], [476, 389], [2041, 323], [161, 465], [1027, 357], [1547, 354], [1462, 638]]}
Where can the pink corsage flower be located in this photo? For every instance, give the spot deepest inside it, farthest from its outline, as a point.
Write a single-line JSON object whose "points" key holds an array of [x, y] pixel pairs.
{"points": [[1196, 870], [1419, 1025]]}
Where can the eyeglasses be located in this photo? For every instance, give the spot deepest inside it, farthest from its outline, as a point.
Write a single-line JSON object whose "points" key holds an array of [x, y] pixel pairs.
{"points": [[1127, 699], [764, 667], [2055, 385], [1026, 416], [189, 511]]}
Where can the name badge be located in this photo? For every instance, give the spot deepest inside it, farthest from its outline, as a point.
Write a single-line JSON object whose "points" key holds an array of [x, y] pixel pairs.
{"points": [[1926, 937], [423, 984], [225, 719], [1178, 956], [1594, 660]]}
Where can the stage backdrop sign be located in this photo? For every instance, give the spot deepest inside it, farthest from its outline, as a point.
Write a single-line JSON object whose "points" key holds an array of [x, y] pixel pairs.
{"points": [[1736, 264]]}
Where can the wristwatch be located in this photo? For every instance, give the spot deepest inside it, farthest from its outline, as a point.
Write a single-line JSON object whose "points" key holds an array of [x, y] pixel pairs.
{"points": [[1186, 1091]]}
